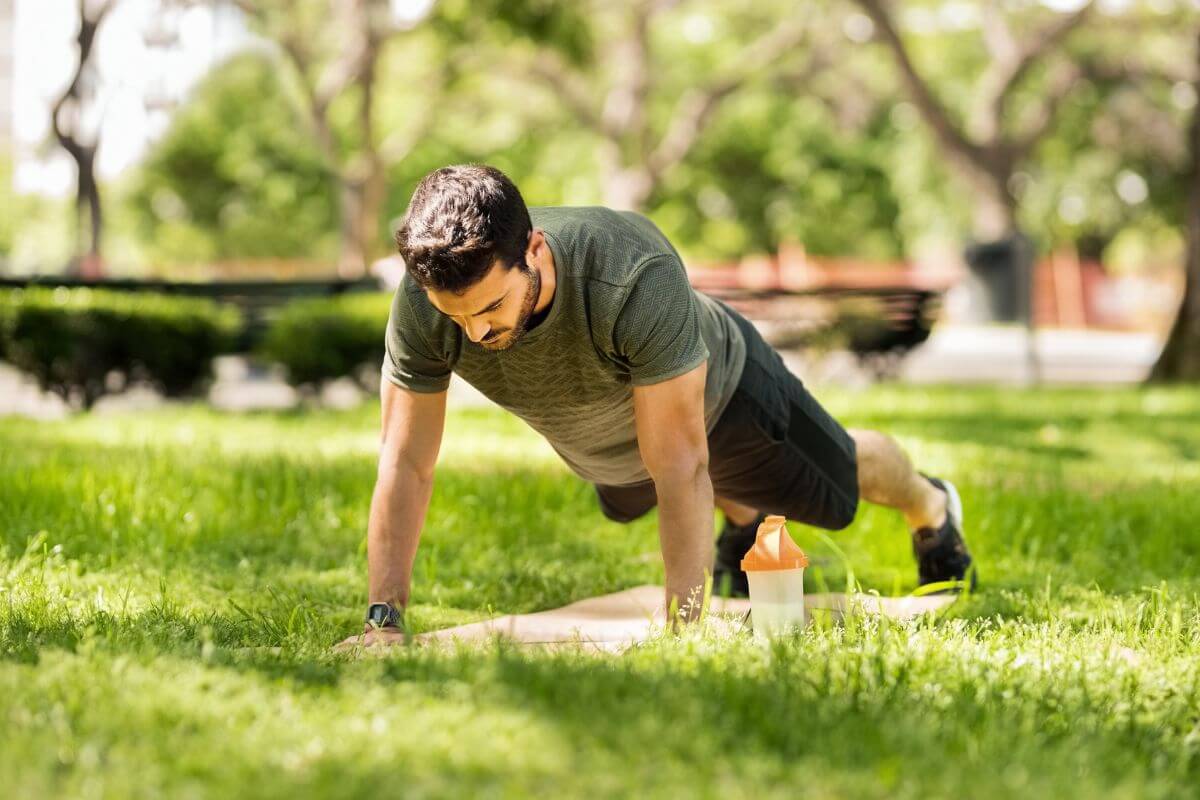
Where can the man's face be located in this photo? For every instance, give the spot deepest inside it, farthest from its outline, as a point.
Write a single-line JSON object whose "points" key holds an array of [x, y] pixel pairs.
{"points": [[495, 311]]}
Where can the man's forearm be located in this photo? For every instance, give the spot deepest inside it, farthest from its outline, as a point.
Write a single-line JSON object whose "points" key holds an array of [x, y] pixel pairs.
{"points": [[685, 532], [398, 508]]}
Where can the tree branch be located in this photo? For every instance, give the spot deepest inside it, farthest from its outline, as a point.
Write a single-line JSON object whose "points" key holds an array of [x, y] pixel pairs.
{"points": [[297, 55], [624, 111], [697, 106], [89, 25], [1011, 61], [935, 114], [1050, 36], [396, 146], [1036, 123], [997, 35], [550, 69]]}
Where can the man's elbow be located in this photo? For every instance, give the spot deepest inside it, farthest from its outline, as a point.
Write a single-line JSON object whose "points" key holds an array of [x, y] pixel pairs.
{"points": [[400, 469], [683, 468]]}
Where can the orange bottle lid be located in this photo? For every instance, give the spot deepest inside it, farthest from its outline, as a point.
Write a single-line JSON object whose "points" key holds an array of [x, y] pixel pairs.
{"points": [[773, 548]]}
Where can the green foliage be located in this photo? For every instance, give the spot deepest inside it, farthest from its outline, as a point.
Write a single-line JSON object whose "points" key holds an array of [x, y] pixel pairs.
{"points": [[565, 27], [70, 340], [236, 175], [320, 340], [774, 169], [1071, 191]]}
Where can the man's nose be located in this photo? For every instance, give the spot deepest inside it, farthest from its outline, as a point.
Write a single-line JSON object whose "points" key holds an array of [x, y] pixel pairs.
{"points": [[477, 331]]}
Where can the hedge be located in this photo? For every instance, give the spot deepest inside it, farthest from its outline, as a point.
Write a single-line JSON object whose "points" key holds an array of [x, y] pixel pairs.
{"points": [[323, 339], [75, 341]]}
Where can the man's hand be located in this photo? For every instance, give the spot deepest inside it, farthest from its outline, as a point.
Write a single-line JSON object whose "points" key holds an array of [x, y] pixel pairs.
{"points": [[674, 447], [372, 636]]}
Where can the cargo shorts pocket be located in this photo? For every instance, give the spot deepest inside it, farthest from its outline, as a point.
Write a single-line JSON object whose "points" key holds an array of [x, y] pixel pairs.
{"points": [[770, 408]]}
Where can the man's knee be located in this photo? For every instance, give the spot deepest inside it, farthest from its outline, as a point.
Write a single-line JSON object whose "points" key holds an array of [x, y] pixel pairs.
{"points": [[613, 514], [839, 508], [616, 514], [843, 514]]}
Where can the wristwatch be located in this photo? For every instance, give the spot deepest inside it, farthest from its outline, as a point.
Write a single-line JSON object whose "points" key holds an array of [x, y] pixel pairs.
{"points": [[384, 615]]}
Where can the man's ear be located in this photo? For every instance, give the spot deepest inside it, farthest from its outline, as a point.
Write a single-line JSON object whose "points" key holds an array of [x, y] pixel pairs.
{"points": [[537, 240]]}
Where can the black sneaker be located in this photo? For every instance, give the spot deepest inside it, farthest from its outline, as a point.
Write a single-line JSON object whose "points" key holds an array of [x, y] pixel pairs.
{"points": [[942, 554], [729, 580]]}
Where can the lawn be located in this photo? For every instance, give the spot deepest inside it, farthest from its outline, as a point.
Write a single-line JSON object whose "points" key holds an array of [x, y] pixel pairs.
{"points": [[171, 581]]}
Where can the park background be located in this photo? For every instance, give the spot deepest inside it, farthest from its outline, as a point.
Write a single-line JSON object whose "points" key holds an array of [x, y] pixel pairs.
{"points": [[186, 467]]}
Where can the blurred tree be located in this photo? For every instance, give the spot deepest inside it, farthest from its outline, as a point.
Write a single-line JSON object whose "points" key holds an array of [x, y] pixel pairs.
{"points": [[614, 68], [772, 169], [1180, 358], [235, 175], [1113, 165], [71, 128], [332, 49], [986, 150]]}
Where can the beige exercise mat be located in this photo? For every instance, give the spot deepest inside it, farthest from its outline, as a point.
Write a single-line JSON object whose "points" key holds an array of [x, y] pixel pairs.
{"points": [[614, 621]]}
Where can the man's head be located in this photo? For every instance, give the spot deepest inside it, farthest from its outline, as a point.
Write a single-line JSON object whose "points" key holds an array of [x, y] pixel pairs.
{"points": [[466, 239]]}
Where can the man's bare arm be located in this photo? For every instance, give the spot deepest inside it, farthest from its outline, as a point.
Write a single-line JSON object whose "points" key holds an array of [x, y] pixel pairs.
{"points": [[674, 447], [411, 437]]}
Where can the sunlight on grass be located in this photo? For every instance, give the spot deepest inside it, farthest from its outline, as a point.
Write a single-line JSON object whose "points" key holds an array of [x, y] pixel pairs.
{"points": [[171, 581]]}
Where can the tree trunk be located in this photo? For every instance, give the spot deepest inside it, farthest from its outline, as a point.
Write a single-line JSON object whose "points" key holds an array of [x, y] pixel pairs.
{"points": [[361, 202], [88, 196], [70, 136], [995, 209], [625, 186], [1180, 358]]}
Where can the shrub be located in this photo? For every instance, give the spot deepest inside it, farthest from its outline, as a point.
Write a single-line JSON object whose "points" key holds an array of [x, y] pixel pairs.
{"points": [[75, 341], [322, 339]]}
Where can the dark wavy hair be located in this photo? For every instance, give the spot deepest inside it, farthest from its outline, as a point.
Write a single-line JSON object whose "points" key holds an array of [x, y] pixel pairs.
{"points": [[460, 220]]}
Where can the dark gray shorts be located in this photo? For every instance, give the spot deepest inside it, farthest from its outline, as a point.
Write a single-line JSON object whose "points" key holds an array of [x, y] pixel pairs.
{"points": [[773, 448]]}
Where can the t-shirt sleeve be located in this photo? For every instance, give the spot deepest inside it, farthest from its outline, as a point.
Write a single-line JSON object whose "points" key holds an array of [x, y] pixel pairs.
{"points": [[657, 334], [408, 360]]}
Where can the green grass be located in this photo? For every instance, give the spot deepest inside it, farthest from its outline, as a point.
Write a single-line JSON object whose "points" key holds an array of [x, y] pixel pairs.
{"points": [[170, 583]]}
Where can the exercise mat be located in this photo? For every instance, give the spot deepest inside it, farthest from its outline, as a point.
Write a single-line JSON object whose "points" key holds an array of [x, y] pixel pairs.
{"points": [[612, 622]]}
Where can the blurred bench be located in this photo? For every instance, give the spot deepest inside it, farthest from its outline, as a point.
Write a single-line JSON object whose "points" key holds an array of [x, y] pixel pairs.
{"points": [[876, 313]]}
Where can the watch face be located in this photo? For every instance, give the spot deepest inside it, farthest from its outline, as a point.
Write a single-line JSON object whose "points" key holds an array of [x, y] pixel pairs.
{"points": [[382, 614]]}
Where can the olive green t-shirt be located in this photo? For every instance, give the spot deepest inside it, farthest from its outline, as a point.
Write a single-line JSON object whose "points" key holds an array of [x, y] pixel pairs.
{"points": [[623, 315]]}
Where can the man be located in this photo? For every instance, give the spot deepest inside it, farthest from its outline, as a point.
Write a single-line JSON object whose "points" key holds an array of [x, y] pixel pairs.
{"points": [[582, 322]]}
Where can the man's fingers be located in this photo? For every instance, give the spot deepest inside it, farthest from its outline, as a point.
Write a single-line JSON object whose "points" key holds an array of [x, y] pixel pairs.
{"points": [[371, 639], [349, 642]]}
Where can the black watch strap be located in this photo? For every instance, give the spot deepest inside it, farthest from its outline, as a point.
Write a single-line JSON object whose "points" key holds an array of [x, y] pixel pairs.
{"points": [[384, 615]]}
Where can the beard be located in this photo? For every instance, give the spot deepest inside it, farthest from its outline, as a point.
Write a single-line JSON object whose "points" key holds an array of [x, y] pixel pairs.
{"points": [[502, 340]]}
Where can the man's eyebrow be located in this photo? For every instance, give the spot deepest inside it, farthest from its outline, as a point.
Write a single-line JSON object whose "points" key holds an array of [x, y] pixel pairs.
{"points": [[491, 306]]}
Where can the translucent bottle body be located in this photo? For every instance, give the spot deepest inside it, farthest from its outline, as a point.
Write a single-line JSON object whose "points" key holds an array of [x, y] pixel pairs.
{"points": [[776, 601]]}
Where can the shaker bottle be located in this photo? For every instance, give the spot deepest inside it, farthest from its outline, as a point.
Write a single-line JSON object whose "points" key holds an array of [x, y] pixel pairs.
{"points": [[774, 567]]}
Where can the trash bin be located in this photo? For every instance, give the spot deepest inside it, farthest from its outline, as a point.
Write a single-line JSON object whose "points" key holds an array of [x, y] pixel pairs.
{"points": [[997, 273]]}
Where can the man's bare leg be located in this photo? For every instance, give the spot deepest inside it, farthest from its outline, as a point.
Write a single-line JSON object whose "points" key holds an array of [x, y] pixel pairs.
{"points": [[886, 477], [736, 513]]}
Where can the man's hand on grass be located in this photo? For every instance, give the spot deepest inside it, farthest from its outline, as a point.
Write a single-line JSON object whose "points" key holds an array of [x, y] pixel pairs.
{"points": [[371, 637]]}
